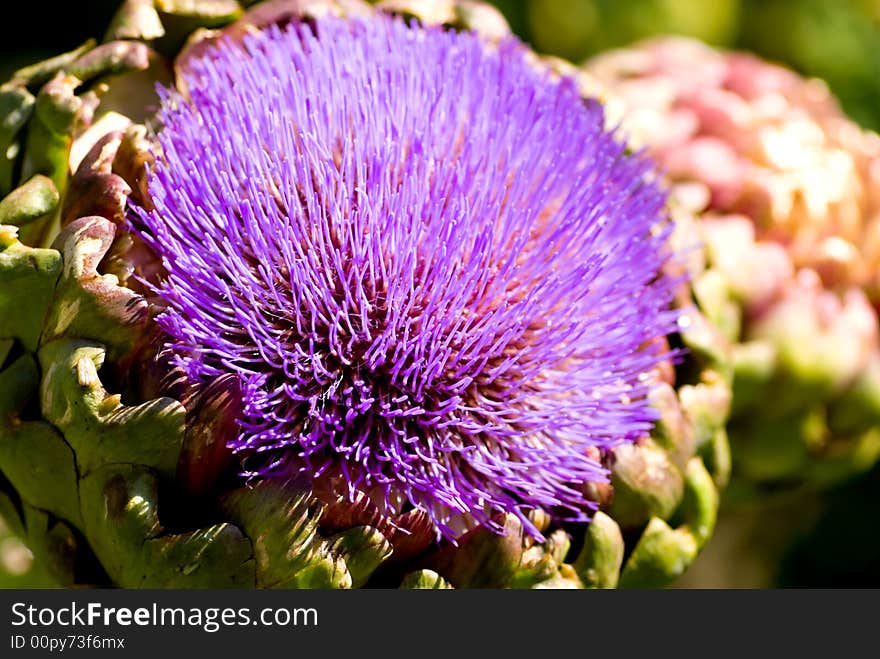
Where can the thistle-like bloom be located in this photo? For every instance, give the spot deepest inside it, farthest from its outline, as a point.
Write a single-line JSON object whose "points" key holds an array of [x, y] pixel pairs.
{"points": [[437, 275]]}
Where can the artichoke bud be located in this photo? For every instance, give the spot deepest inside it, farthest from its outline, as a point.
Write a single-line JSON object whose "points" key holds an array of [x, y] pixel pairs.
{"points": [[858, 409], [142, 458], [790, 267]]}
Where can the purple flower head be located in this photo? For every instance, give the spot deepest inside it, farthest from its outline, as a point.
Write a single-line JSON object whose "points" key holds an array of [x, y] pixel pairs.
{"points": [[436, 274]]}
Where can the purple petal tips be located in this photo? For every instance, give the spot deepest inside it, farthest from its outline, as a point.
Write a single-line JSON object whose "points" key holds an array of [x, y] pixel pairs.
{"points": [[438, 278]]}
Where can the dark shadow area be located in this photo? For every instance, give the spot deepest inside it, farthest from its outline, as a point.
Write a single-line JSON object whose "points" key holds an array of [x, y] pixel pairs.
{"points": [[43, 29], [843, 548]]}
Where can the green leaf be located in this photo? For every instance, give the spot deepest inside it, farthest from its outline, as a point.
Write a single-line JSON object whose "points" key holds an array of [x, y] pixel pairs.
{"points": [[41, 467], [660, 556], [90, 305], [33, 456], [363, 549], [564, 580], [110, 59], [700, 504], [707, 405], [16, 108], [218, 10], [49, 138], [598, 564], [10, 516], [673, 431], [282, 522], [135, 19], [646, 483], [706, 344], [37, 74], [180, 18], [541, 562], [425, 580], [717, 457], [96, 424], [29, 202], [27, 281], [53, 543], [119, 506]]}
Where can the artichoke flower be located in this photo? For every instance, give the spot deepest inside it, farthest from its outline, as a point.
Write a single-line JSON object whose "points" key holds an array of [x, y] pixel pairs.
{"points": [[284, 303], [781, 190]]}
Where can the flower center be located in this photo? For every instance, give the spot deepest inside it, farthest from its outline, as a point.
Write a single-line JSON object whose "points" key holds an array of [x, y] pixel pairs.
{"points": [[432, 268]]}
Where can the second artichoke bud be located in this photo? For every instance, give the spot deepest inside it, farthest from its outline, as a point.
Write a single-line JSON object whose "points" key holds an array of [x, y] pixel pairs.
{"points": [[779, 191]]}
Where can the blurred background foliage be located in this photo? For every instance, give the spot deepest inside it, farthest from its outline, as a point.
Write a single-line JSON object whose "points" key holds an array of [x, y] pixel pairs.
{"points": [[837, 40], [799, 539]]}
